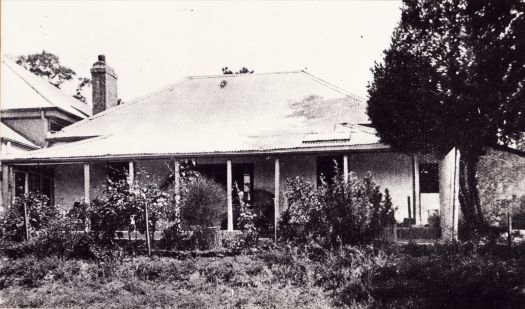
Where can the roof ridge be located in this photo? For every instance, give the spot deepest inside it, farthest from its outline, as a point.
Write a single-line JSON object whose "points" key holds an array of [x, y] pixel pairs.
{"points": [[323, 82], [121, 106], [241, 75]]}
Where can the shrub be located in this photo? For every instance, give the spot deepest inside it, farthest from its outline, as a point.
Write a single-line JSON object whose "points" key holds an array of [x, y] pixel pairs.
{"points": [[61, 238], [39, 214], [336, 213], [247, 218], [113, 211], [202, 202], [173, 237]]}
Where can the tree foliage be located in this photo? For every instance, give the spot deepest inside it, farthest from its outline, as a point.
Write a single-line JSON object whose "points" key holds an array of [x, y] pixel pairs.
{"points": [[243, 70], [48, 66], [454, 76]]}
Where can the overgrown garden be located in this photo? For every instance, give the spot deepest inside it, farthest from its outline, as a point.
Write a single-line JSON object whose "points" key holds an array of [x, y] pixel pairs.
{"points": [[333, 250]]}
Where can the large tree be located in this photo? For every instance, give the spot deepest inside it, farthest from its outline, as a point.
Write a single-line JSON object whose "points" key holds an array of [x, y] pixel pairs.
{"points": [[454, 76]]}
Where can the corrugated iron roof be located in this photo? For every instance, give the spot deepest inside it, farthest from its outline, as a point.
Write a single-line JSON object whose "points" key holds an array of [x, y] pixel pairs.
{"points": [[219, 114], [22, 89]]}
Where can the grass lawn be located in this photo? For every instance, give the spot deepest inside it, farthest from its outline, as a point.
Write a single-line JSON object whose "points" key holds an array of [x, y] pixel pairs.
{"points": [[409, 276]]}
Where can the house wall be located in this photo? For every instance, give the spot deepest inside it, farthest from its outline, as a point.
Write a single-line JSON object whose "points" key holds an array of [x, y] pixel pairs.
{"points": [[390, 170], [34, 129], [69, 183]]}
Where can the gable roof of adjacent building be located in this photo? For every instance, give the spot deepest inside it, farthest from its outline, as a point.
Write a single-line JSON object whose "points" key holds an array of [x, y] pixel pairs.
{"points": [[222, 114], [22, 89]]}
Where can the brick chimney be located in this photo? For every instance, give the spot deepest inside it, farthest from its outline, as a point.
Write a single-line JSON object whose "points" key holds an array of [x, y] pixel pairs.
{"points": [[104, 86]]}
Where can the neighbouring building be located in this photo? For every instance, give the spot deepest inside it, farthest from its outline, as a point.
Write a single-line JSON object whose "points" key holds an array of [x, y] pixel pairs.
{"points": [[253, 130], [31, 108]]}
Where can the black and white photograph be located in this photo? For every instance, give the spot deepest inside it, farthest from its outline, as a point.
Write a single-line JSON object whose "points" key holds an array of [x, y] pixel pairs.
{"points": [[359, 154]]}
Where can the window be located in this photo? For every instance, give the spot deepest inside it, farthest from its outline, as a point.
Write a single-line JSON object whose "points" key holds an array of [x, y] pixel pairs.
{"points": [[37, 184], [54, 127], [20, 183], [429, 178], [327, 167], [56, 124]]}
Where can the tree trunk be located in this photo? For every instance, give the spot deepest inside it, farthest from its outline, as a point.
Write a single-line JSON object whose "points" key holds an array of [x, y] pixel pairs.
{"points": [[469, 195]]}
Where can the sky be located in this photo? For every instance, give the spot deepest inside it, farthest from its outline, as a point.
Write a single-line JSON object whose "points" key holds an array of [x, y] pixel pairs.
{"points": [[151, 44]]}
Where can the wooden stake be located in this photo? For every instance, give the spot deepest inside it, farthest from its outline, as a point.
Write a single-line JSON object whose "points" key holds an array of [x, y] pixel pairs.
{"points": [[147, 229], [26, 216]]}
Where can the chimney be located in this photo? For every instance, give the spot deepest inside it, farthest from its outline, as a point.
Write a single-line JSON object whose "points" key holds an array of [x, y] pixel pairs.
{"points": [[104, 86]]}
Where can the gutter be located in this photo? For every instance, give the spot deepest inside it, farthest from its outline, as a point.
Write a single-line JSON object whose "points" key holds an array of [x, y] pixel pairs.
{"points": [[152, 156]]}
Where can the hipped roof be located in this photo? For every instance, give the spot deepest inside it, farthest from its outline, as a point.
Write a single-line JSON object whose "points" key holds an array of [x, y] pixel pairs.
{"points": [[221, 114]]}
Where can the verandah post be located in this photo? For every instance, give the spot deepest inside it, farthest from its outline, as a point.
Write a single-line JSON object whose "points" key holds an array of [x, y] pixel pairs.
{"points": [[5, 186], [345, 168], [11, 186], [229, 194], [86, 183], [276, 199], [176, 180], [131, 174]]}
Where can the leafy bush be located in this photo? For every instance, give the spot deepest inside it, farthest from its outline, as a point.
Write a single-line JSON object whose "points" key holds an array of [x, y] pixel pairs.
{"points": [[335, 213], [61, 238], [202, 202], [39, 214], [114, 211], [250, 233]]}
